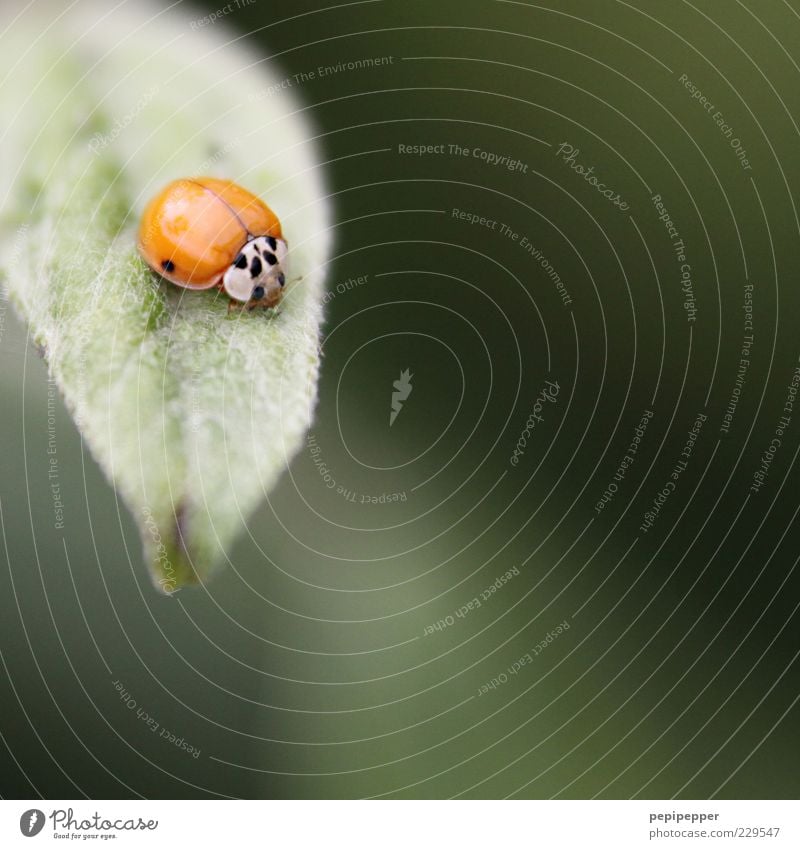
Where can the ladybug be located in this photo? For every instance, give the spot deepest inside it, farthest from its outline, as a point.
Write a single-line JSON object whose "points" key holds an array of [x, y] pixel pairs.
{"points": [[203, 232]]}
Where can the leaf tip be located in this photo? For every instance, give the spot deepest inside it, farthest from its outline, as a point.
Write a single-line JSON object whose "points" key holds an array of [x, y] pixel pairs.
{"points": [[172, 567]]}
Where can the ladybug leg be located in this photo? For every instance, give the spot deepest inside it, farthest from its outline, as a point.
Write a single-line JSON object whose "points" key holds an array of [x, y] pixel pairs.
{"points": [[236, 306]]}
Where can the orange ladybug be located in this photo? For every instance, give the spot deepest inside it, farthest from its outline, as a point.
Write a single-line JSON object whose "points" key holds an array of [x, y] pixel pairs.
{"points": [[203, 232]]}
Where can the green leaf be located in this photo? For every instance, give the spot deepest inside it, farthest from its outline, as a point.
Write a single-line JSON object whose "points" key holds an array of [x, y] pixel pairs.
{"points": [[192, 412]]}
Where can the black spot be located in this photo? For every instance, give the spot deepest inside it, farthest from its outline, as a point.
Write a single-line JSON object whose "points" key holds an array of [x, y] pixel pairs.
{"points": [[240, 261], [255, 267], [281, 279], [272, 243], [168, 265], [258, 293], [270, 258]]}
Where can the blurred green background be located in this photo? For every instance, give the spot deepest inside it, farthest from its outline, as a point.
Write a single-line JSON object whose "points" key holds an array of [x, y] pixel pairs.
{"points": [[313, 668]]}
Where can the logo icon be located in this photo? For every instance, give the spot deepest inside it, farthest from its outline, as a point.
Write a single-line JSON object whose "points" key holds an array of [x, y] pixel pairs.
{"points": [[31, 822], [403, 389]]}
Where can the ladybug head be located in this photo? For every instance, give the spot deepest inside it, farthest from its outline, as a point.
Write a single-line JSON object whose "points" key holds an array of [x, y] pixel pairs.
{"points": [[257, 276]]}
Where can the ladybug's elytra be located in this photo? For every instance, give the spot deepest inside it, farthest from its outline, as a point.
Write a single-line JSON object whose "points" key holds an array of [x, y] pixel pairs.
{"points": [[203, 232]]}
